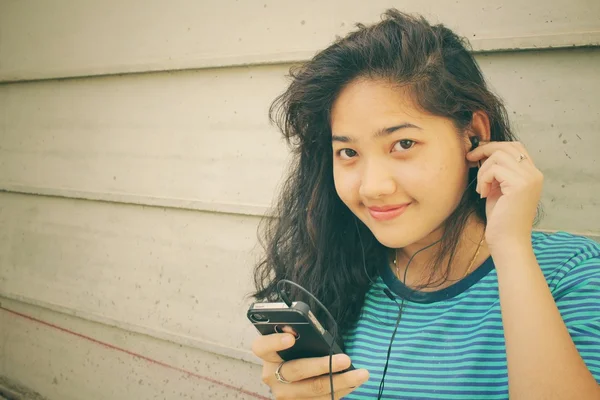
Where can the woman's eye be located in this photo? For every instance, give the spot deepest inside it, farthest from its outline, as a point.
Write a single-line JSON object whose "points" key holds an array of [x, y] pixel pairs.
{"points": [[346, 154], [404, 144]]}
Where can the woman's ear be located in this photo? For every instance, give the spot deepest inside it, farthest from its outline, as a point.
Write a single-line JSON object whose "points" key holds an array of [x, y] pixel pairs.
{"points": [[480, 126]]}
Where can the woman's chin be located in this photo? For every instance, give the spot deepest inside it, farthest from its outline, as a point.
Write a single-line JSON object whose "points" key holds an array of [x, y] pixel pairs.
{"points": [[395, 239]]}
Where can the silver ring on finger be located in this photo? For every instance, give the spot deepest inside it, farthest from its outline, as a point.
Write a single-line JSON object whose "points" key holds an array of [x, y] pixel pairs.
{"points": [[278, 375], [521, 157]]}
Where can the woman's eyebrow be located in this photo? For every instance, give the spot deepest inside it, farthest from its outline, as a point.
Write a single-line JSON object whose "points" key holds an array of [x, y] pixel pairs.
{"points": [[343, 139], [381, 132], [392, 129]]}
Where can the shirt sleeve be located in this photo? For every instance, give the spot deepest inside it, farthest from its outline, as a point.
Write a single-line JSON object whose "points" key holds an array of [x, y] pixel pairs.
{"points": [[577, 296]]}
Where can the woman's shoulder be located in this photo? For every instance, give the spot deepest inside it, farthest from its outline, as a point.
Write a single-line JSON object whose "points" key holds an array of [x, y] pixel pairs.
{"points": [[566, 259], [564, 246]]}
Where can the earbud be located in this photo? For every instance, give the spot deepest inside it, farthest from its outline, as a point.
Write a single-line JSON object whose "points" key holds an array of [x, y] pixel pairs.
{"points": [[474, 144]]}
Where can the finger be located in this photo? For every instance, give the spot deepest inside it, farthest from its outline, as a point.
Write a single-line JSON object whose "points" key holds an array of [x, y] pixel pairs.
{"points": [[303, 368], [487, 149], [320, 386], [267, 346], [505, 177], [500, 157], [289, 329], [343, 393], [339, 394]]}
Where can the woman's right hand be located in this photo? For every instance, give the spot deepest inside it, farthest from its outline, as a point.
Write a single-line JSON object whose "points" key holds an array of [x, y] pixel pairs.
{"points": [[309, 377]]}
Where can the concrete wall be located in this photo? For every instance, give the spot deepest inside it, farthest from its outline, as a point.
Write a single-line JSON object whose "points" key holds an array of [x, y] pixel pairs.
{"points": [[136, 159]]}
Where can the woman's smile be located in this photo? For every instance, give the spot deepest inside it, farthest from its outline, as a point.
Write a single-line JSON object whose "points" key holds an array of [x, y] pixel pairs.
{"points": [[386, 213]]}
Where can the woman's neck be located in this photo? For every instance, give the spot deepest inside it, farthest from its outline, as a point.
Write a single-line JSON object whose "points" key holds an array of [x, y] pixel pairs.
{"points": [[470, 252]]}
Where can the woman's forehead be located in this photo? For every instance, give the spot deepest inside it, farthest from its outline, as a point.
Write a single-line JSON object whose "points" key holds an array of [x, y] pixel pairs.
{"points": [[376, 98], [370, 107]]}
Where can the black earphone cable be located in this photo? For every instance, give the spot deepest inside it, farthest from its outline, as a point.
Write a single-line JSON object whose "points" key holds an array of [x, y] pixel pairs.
{"points": [[389, 294], [287, 301], [389, 350]]}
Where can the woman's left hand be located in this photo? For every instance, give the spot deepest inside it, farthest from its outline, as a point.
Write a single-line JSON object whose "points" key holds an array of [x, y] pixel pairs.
{"points": [[512, 185]]}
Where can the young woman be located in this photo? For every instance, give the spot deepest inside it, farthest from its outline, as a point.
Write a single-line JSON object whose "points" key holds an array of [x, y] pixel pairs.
{"points": [[409, 232]]}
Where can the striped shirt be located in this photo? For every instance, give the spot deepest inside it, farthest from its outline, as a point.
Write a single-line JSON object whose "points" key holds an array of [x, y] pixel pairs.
{"points": [[450, 343]]}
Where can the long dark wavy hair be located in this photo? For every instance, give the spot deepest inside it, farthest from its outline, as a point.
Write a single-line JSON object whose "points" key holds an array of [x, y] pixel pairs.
{"points": [[311, 237]]}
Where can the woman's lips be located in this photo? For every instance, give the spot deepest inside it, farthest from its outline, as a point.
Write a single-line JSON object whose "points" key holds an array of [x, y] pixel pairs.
{"points": [[388, 212]]}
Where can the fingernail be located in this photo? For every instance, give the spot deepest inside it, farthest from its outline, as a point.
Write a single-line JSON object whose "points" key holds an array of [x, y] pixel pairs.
{"points": [[287, 340], [362, 374], [340, 359]]}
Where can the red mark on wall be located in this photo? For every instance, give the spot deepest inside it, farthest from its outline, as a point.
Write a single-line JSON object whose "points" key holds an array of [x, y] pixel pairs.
{"points": [[136, 355]]}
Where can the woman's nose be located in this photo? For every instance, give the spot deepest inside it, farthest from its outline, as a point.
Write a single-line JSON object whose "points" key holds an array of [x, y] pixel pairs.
{"points": [[376, 181]]}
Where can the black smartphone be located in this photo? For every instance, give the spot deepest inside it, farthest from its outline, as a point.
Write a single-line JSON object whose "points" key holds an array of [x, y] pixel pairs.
{"points": [[312, 340]]}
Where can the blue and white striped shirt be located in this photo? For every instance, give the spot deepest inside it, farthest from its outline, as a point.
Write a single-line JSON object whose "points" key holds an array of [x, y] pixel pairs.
{"points": [[450, 343]]}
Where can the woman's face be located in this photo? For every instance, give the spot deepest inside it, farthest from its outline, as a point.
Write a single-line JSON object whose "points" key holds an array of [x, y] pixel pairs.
{"points": [[400, 170]]}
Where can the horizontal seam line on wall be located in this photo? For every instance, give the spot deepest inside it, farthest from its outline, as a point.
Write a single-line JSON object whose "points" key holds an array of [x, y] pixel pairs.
{"points": [[179, 204], [140, 200], [154, 333], [481, 45]]}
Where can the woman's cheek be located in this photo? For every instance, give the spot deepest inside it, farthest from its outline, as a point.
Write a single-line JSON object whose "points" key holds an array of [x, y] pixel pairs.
{"points": [[442, 186], [347, 187]]}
